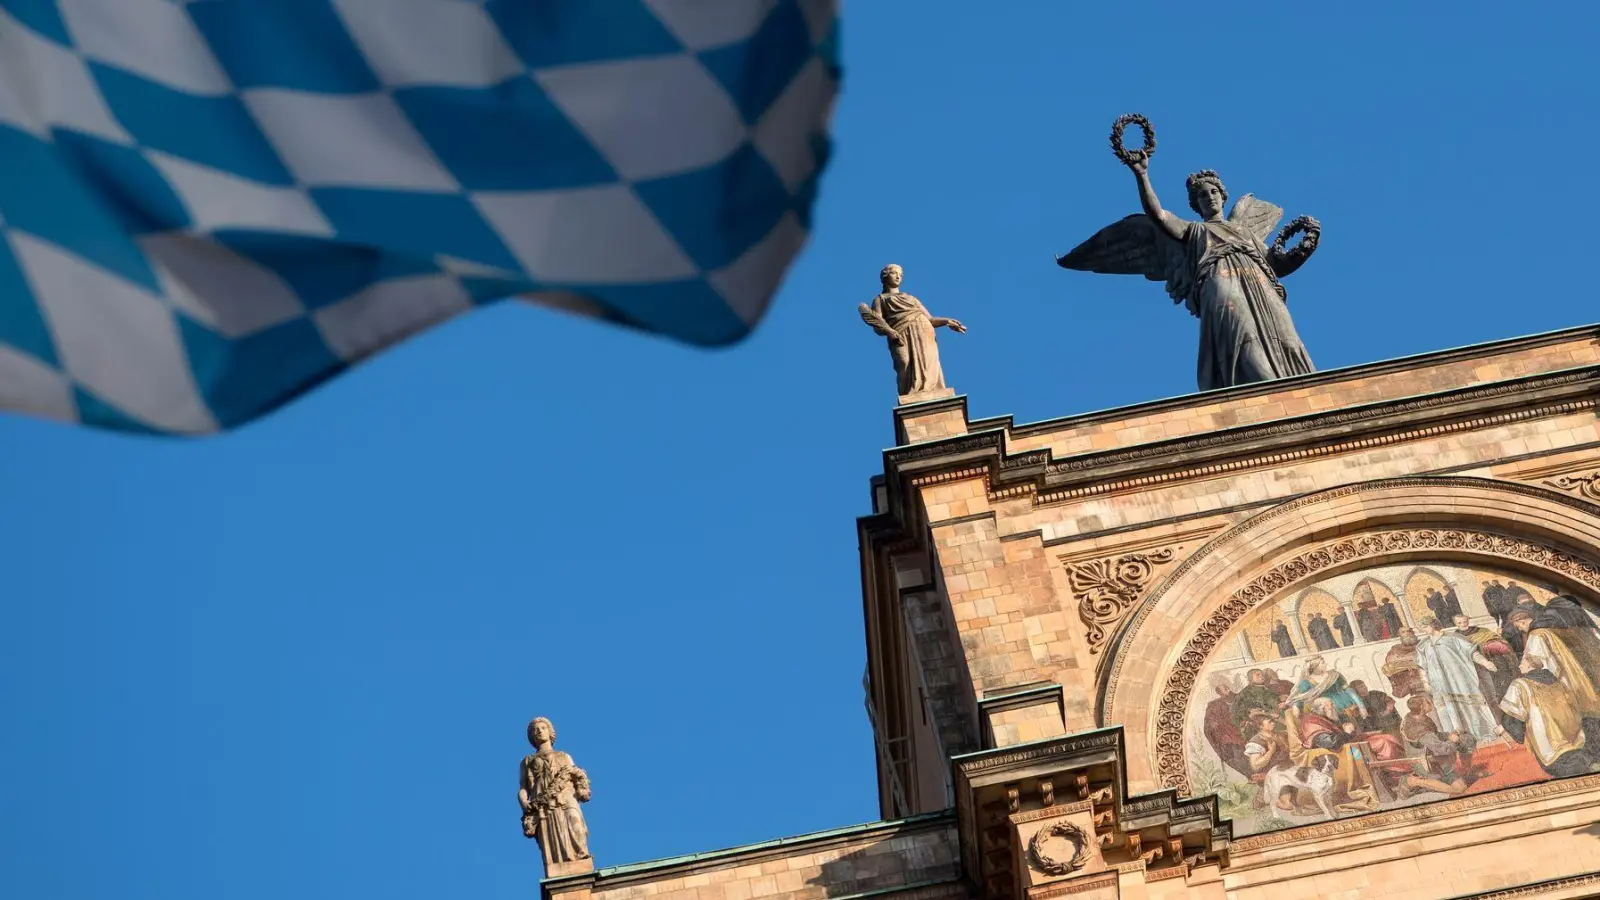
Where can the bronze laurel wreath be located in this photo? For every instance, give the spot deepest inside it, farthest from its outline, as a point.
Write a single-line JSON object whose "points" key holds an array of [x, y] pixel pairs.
{"points": [[1311, 227], [1128, 156]]}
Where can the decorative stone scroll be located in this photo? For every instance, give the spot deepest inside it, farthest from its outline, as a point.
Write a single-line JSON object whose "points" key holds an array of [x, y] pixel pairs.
{"points": [[1171, 759], [1587, 485], [1107, 588]]}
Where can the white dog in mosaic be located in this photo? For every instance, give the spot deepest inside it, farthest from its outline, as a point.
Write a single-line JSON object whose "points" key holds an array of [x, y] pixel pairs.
{"points": [[1315, 779]]}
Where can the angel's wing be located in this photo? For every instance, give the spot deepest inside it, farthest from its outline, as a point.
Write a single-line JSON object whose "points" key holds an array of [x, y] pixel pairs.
{"points": [[1132, 246], [1257, 215]]}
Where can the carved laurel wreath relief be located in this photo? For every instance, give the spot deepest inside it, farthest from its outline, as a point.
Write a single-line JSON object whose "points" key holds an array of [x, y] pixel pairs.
{"points": [[1060, 833], [1171, 761]]}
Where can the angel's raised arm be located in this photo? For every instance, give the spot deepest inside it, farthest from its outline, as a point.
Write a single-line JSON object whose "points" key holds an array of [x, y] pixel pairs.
{"points": [[1167, 222]]}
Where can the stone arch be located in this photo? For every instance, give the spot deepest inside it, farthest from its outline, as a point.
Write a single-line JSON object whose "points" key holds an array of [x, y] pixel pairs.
{"points": [[1313, 601], [1379, 591], [1155, 655], [1418, 582]]}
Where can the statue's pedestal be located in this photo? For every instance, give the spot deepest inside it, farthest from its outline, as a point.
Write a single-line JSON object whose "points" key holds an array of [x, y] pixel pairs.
{"points": [[575, 867], [924, 396], [929, 415]]}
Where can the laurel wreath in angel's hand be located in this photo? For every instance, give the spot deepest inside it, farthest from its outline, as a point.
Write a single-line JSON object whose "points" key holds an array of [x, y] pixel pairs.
{"points": [[1310, 227], [1129, 156]]}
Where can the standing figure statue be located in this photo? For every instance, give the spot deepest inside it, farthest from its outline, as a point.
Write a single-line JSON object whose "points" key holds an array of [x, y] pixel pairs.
{"points": [[909, 327], [552, 788], [1219, 267]]}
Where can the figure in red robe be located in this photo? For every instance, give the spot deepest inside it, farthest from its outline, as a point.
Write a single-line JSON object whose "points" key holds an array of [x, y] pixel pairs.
{"points": [[1223, 734]]}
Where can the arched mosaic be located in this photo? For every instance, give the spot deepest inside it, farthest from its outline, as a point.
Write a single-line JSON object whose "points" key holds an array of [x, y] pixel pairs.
{"points": [[1445, 679]]}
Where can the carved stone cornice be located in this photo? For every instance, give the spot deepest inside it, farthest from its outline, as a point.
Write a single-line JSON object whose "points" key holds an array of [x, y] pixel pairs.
{"points": [[1163, 874], [945, 477], [1172, 714], [1538, 888], [1232, 451], [1051, 812], [972, 765], [1062, 889], [1107, 588], [1040, 475], [1356, 415], [1008, 810], [901, 457]]}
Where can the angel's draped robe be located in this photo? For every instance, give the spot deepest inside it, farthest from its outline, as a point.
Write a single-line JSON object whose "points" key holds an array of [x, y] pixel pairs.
{"points": [[1246, 334], [916, 357]]}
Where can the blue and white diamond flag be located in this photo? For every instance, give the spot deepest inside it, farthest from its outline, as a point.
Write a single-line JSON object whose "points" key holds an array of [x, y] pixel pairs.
{"points": [[209, 207]]}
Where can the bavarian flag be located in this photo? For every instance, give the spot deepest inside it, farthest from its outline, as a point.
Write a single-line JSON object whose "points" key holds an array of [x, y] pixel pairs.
{"points": [[209, 207]]}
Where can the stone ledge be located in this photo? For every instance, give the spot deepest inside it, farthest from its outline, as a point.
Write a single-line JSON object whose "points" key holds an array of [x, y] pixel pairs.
{"points": [[677, 866], [1428, 360]]}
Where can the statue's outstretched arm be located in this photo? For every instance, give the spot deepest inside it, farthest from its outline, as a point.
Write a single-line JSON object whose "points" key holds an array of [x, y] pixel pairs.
{"points": [[1167, 222]]}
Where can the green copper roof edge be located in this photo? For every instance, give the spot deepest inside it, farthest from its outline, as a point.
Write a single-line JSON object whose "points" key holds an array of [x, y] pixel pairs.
{"points": [[1115, 412], [1014, 748], [1042, 687], [815, 836]]}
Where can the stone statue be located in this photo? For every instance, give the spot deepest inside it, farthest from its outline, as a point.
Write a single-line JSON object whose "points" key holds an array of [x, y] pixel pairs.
{"points": [[1219, 267], [552, 788], [909, 327]]}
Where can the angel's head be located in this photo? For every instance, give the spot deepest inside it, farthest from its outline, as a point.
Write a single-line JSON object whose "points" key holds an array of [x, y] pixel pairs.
{"points": [[1206, 194], [890, 276]]}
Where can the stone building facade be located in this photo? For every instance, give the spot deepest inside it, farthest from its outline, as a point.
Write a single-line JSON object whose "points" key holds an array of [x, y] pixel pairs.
{"points": [[1329, 636]]}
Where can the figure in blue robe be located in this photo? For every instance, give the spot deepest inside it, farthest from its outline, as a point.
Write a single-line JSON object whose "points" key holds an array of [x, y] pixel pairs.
{"points": [[1321, 681]]}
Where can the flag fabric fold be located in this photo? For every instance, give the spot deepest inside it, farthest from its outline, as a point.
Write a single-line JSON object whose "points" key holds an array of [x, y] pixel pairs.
{"points": [[209, 207]]}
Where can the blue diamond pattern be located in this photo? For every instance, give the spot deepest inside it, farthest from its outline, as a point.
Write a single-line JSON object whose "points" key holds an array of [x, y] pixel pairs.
{"points": [[466, 171]]}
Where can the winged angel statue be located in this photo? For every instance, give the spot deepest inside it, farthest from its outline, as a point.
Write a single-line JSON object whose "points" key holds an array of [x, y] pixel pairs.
{"points": [[1221, 268]]}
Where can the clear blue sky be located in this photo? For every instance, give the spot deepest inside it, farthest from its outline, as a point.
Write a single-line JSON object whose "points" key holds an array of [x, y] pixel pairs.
{"points": [[297, 660]]}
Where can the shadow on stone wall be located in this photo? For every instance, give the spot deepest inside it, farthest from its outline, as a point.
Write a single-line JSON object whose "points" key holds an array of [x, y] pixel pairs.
{"points": [[926, 866]]}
